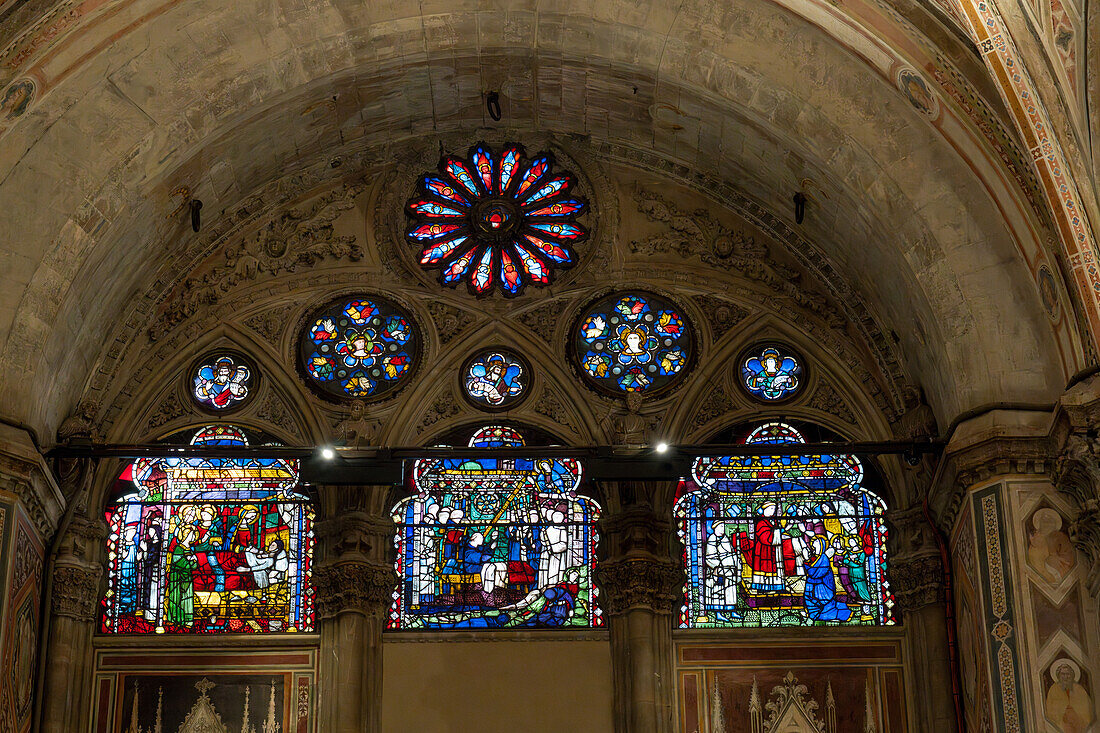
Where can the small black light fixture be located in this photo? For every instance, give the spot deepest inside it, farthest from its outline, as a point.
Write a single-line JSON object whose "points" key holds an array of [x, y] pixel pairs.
{"points": [[196, 220], [492, 103], [799, 207]]}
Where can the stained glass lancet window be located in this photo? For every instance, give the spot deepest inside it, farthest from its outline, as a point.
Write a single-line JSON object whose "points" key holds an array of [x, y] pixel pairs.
{"points": [[782, 540], [209, 545], [495, 543]]}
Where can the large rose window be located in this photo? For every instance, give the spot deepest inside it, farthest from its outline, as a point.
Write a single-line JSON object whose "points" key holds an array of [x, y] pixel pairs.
{"points": [[633, 342], [496, 220], [359, 348]]}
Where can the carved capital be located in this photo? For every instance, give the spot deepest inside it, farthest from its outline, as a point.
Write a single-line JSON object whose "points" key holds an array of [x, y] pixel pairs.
{"points": [[1075, 468], [916, 581], [1085, 533], [915, 569], [76, 591], [655, 585], [353, 587]]}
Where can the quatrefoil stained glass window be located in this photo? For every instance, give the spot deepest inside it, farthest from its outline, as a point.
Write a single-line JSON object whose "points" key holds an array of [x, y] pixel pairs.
{"points": [[633, 342], [771, 372], [496, 220], [359, 348]]}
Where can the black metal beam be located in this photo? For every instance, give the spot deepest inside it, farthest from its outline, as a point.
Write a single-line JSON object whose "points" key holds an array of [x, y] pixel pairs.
{"points": [[386, 465], [630, 453]]}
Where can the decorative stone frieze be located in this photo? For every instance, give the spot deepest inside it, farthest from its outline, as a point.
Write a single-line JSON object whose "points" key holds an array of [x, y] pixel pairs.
{"points": [[916, 582]]}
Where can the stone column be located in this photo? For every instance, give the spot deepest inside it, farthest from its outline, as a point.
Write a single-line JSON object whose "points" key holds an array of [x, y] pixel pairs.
{"points": [[916, 576], [640, 583], [353, 580], [1020, 604], [74, 601]]}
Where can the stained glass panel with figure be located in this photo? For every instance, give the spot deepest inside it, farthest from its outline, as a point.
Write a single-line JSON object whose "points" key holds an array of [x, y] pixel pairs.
{"points": [[495, 543], [782, 540], [209, 545]]}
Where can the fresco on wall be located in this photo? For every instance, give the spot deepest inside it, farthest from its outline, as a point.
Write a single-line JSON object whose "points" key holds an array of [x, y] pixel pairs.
{"points": [[1067, 703], [971, 635], [20, 636], [1049, 550], [203, 703]]}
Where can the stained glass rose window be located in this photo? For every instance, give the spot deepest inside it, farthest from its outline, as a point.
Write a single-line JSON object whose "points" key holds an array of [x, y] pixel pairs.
{"points": [[771, 373], [496, 219], [633, 342], [359, 348]]}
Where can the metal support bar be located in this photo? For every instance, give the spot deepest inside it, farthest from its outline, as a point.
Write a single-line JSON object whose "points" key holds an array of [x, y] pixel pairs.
{"points": [[644, 452], [387, 465]]}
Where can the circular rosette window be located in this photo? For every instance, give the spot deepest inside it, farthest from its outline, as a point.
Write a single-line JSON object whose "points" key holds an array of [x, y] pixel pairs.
{"points": [[495, 379], [359, 348], [771, 372], [633, 342], [222, 381], [496, 219]]}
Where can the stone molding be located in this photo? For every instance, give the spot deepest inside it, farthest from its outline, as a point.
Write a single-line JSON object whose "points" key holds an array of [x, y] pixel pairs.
{"points": [[353, 587], [1085, 533], [24, 472], [982, 461], [640, 583]]}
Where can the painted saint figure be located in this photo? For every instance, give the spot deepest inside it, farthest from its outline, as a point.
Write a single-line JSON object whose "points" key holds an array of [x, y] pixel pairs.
{"points": [[1068, 703]]}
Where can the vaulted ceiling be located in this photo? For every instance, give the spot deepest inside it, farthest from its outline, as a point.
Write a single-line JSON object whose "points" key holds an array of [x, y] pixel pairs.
{"points": [[884, 116]]}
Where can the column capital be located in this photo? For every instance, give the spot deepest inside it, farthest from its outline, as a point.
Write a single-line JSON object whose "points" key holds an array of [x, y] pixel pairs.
{"points": [[915, 566], [24, 472], [353, 587], [1084, 531], [353, 569], [995, 443], [76, 591], [645, 583]]}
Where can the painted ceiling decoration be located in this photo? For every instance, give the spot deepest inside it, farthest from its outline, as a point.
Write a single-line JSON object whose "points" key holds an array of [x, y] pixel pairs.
{"points": [[496, 220]]}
